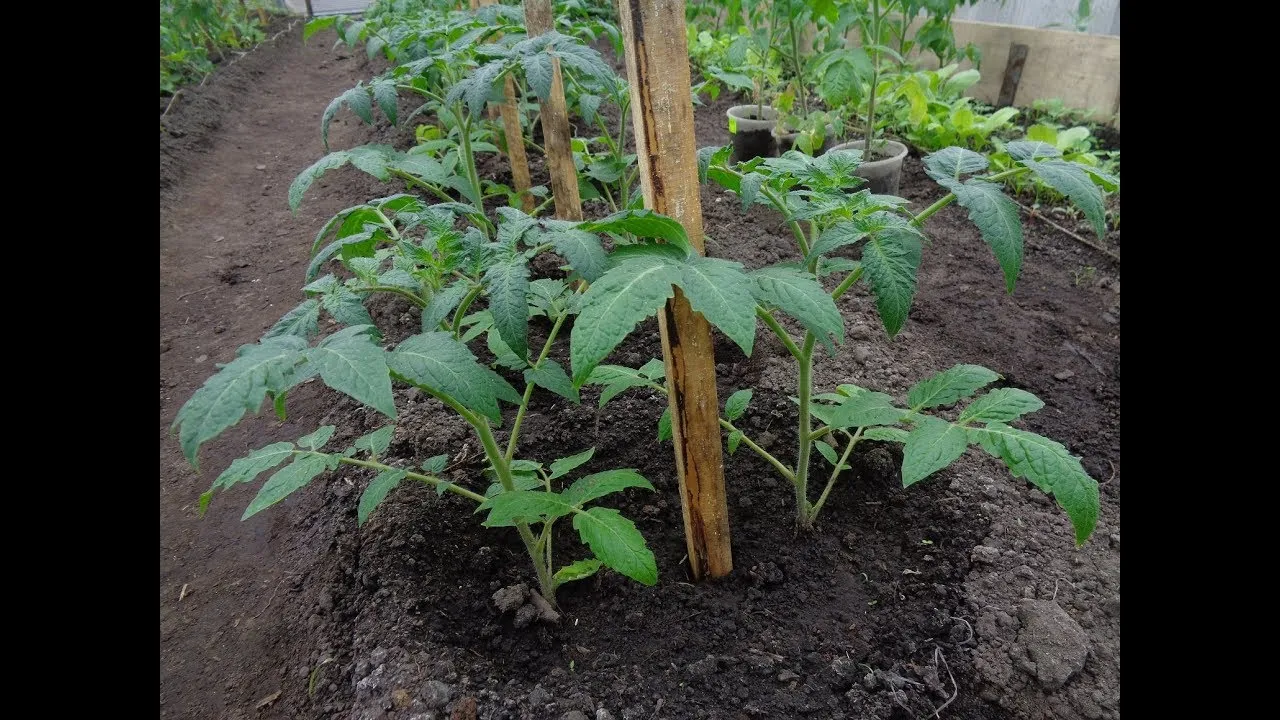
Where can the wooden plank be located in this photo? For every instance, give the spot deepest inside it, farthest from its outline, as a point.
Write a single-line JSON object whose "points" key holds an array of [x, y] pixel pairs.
{"points": [[657, 57], [1012, 75], [556, 134], [512, 132]]}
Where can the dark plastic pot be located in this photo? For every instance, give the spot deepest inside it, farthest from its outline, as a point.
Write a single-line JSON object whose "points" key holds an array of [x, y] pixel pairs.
{"points": [[884, 174], [752, 135], [787, 141]]}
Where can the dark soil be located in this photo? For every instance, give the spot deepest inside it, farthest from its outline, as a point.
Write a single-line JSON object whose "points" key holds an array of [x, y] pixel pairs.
{"points": [[903, 600]]}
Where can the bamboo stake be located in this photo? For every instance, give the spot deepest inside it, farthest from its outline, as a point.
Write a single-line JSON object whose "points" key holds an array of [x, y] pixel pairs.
{"points": [[657, 57], [513, 134]]}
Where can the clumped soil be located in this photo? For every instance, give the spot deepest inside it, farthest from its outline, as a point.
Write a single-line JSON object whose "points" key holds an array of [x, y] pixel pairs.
{"points": [[965, 590]]}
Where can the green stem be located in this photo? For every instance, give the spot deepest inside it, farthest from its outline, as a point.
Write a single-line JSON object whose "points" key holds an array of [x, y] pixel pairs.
{"points": [[795, 57], [413, 180], [528, 389], [847, 283], [805, 360], [395, 290], [875, 79], [949, 198], [817, 507], [469, 164], [433, 481], [782, 469], [778, 330], [462, 309], [545, 203]]}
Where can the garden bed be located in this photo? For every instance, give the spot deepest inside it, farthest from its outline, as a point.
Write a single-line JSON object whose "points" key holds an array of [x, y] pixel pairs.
{"points": [[910, 598]]}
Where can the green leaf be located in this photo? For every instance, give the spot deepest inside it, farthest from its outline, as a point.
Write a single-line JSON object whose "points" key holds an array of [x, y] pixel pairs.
{"points": [[302, 321], [1043, 133], [520, 481], [654, 369], [1070, 180], [315, 25], [636, 289], [442, 304], [749, 187], [643, 224], [615, 379], [961, 81], [597, 485], [507, 282], [346, 307], [332, 161], [952, 162], [617, 543], [950, 385], [317, 439], [737, 404], [291, 477], [377, 441], [1050, 467], [1001, 405], [551, 375], [1031, 150], [800, 296], [583, 251], [508, 508], [350, 362], [436, 361], [931, 446], [241, 385], [842, 233], [564, 466], [997, 219], [247, 468], [890, 259], [538, 73], [382, 485], [721, 291], [864, 409], [580, 570], [886, 434], [735, 438], [827, 452], [664, 425], [435, 465]]}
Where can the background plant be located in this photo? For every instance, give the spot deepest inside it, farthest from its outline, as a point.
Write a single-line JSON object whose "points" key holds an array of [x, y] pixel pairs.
{"points": [[193, 33]]}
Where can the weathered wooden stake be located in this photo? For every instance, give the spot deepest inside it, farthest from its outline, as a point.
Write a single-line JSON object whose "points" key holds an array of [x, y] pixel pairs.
{"points": [[1012, 74], [513, 134], [556, 136], [662, 113]]}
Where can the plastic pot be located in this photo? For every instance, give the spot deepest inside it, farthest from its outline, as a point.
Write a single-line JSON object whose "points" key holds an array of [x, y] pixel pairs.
{"points": [[752, 135], [787, 141], [884, 174]]}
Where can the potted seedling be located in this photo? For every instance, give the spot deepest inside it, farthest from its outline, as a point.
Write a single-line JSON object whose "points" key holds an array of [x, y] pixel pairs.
{"points": [[751, 126]]}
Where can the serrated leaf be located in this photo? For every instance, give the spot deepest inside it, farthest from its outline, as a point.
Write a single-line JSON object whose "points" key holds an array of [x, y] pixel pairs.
{"points": [[722, 292], [442, 304], [749, 187], [551, 375], [240, 386], [617, 543], [931, 446], [643, 224], [247, 468], [950, 385], [580, 570], [865, 409], [654, 369], [332, 161], [1031, 150], [1001, 405], [507, 283], [376, 492], [351, 363], [583, 251], [437, 362], [615, 379], [664, 425], [800, 296], [1050, 467], [997, 219], [952, 162], [508, 508], [886, 434], [303, 321], [293, 476], [520, 481], [566, 465], [346, 307], [839, 235], [891, 258], [597, 485], [634, 290], [735, 438], [1070, 180], [376, 442], [436, 464], [537, 71], [316, 440], [829, 266], [737, 404]]}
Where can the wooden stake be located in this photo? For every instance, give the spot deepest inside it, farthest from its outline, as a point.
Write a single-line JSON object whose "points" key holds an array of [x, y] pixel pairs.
{"points": [[1012, 74], [513, 134], [662, 112], [556, 136]]}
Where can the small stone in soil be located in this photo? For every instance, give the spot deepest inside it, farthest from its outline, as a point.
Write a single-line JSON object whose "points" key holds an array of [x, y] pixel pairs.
{"points": [[861, 355], [984, 554], [201, 359], [1109, 319], [1064, 375], [787, 676], [1056, 645], [260, 167], [511, 597]]}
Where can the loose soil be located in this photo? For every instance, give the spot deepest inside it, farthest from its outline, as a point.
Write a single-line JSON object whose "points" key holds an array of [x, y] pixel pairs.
{"points": [[902, 601]]}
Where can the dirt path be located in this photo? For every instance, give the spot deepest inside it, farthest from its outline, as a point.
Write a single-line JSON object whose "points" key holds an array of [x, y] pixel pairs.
{"points": [[231, 259]]}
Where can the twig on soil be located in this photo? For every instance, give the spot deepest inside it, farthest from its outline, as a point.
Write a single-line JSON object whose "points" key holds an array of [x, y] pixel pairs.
{"points": [[955, 687], [1113, 474], [169, 107], [1092, 363], [193, 292], [966, 624], [182, 594], [1070, 234], [270, 599]]}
